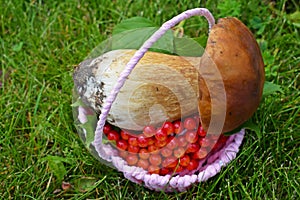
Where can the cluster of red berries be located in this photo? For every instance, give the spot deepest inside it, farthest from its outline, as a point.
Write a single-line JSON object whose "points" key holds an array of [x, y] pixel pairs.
{"points": [[171, 148]]}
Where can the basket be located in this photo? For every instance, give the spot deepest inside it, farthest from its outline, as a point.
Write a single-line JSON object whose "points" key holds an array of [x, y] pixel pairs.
{"points": [[90, 129]]}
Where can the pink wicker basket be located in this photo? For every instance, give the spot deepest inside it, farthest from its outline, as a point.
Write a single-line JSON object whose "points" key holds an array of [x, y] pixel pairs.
{"points": [[207, 168]]}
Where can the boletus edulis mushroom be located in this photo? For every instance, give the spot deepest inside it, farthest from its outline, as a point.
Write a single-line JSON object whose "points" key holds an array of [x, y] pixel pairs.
{"points": [[165, 87], [234, 50]]}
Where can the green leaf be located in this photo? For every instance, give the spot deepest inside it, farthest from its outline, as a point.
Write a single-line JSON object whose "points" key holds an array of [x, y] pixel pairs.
{"points": [[187, 47], [294, 18], [132, 23], [135, 38], [271, 88], [17, 47], [257, 23], [202, 40], [249, 124], [77, 103], [132, 33], [85, 184], [56, 166], [268, 58], [90, 127]]}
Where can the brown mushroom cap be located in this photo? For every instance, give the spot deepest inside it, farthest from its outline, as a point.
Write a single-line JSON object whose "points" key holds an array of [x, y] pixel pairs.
{"points": [[232, 48]]}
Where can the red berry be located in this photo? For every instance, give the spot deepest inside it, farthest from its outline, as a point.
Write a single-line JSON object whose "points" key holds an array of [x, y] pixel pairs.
{"points": [[133, 149], [144, 154], [192, 148], [142, 141], [191, 136], [161, 135], [168, 128], [184, 160], [178, 152], [143, 164], [200, 154], [113, 135], [197, 118], [133, 141], [190, 123], [204, 142], [151, 141], [173, 143], [153, 169], [170, 162], [153, 149], [223, 139], [181, 141], [122, 144], [155, 159], [107, 128], [123, 154], [193, 164], [201, 132], [166, 152], [170, 138], [217, 146], [178, 126], [149, 131], [160, 144], [164, 171], [178, 169], [131, 159], [125, 135], [221, 142], [213, 138]]}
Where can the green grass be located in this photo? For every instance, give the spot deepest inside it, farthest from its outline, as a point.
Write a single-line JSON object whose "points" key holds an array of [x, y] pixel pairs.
{"points": [[42, 41]]}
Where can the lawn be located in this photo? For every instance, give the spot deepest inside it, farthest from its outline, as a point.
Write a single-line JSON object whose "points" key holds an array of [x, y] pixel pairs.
{"points": [[42, 41]]}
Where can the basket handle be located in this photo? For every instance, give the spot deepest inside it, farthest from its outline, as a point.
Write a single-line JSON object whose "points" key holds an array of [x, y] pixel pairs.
{"points": [[132, 63]]}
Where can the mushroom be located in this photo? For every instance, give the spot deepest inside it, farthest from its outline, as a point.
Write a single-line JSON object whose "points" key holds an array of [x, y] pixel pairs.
{"points": [[234, 50], [161, 87], [167, 87]]}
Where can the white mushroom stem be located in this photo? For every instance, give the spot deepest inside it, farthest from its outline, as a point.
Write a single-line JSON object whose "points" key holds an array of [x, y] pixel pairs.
{"points": [[161, 87]]}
